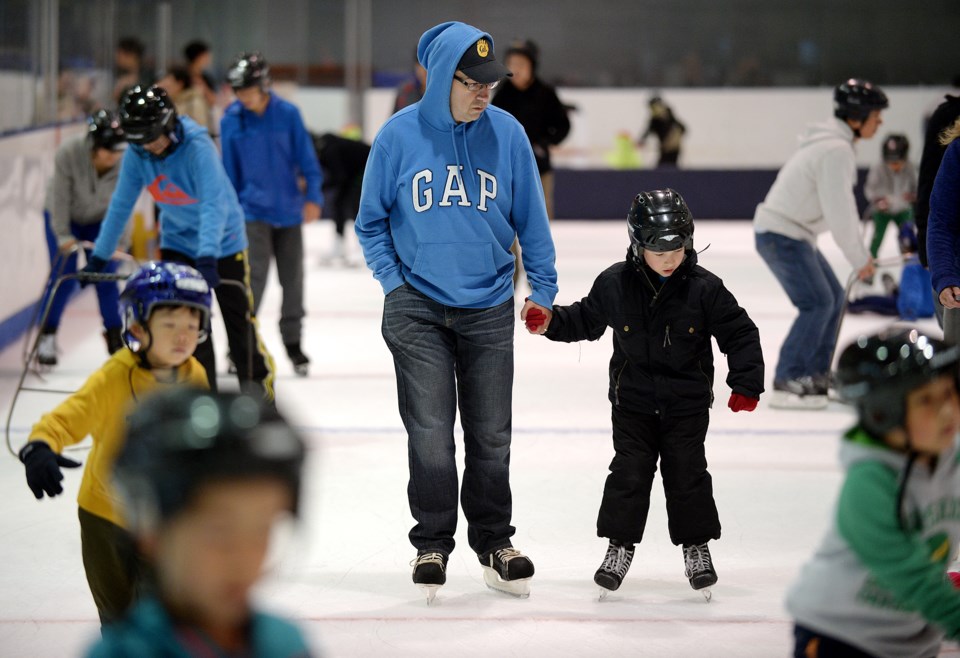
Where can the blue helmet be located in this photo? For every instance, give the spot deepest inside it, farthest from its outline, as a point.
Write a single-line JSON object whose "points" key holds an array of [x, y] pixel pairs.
{"points": [[160, 283]]}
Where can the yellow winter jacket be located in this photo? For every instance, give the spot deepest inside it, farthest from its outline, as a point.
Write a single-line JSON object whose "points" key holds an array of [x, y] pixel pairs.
{"points": [[100, 409]]}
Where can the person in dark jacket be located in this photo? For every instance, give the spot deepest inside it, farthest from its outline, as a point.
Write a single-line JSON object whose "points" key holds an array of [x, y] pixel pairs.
{"points": [[663, 308], [343, 161], [942, 118], [668, 129], [536, 106]]}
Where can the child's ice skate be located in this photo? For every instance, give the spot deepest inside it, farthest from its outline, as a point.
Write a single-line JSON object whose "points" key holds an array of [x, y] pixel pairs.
{"points": [[430, 573], [699, 568], [614, 568], [508, 570]]}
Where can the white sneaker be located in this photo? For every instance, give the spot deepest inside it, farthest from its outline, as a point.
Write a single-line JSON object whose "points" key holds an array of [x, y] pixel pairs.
{"points": [[47, 350]]}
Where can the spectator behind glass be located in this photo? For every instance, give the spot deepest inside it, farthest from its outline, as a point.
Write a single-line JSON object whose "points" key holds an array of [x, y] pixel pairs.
{"points": [[536, 106], [188, 99], [128, 66], [668, 130], [411, 91]]}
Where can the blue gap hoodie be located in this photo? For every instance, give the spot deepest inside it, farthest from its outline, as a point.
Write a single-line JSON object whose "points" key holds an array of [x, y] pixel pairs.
{"points": [[442, 202]]}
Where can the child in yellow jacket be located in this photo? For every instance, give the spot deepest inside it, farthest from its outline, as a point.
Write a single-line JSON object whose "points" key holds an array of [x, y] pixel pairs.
{"points": [[166, 313]]}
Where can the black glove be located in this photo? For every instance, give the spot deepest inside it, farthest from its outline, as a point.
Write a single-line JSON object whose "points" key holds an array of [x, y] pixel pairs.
{"points": [[207, 266], [95, 265], [43, 468]]}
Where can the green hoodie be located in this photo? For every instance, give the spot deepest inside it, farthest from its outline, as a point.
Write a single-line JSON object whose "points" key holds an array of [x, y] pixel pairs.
{"points": [[871, 583]]}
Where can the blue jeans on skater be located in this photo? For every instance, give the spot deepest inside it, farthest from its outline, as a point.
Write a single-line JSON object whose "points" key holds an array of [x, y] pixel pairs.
{"points": [[447, 357], [108, 294], [813, 289]]}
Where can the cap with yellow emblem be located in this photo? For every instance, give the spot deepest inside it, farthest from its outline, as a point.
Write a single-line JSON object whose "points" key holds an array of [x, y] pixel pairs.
{"points": [[479, 64]]}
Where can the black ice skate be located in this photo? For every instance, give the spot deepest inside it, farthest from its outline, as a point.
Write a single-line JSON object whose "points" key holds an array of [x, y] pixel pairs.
{"points": [[508, 570], [430, 573], [301, 364], [614, 568], [699, 568], [800, 393]]}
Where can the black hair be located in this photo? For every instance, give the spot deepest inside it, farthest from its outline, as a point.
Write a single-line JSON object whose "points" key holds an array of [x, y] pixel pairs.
{"points": [[131, 45], [195, 49]]}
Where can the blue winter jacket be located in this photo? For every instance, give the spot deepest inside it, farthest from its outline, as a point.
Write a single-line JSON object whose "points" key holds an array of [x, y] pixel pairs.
{"points": [[263, 156], [442, 202], [149, 632], [199, 211], [943, 223]]}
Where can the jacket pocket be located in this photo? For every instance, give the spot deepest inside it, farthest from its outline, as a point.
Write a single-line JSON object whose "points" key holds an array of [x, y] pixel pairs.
{"points": [[463, 261]]}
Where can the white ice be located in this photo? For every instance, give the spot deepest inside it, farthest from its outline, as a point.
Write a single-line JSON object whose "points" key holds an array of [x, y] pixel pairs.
{"points": [[345, 575]]}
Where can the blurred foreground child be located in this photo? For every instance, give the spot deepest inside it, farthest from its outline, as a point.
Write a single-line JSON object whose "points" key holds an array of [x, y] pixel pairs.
{"points": [[205, 478]]}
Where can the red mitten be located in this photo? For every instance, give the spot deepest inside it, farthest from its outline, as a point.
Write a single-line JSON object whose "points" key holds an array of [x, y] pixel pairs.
{"points": [[742, 403], [954, 577], [535, 318]]}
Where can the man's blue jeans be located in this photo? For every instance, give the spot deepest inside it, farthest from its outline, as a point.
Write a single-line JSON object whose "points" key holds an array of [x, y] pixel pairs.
{"points": [[813, 289], [445, 357]]}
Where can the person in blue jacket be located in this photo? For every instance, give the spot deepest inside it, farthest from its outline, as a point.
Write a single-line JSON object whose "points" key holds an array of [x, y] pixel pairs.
{"points": [[943, 233], [449, 184], [266, 149], [200, 218]]}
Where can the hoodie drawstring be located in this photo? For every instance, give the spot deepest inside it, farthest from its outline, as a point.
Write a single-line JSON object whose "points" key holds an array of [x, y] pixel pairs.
{"points": [[468, 170]]}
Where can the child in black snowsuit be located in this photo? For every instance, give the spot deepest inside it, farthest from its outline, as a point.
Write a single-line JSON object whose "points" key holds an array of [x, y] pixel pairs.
{"points": [[663, 309]]}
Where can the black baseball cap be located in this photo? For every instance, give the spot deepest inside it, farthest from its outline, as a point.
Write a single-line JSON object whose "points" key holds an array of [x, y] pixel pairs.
{"points": [[479, 64]]}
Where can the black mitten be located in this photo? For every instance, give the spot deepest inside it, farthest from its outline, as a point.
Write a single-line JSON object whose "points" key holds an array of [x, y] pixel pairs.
{"points": [[43, 468]]}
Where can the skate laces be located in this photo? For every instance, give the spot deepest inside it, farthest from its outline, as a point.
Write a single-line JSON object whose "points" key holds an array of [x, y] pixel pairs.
{"points": [[618, 560], [697, 558], [504, 555], [428, 558]]}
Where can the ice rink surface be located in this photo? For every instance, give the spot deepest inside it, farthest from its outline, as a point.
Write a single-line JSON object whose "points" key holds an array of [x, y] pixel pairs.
{"points": [[344, 576]]}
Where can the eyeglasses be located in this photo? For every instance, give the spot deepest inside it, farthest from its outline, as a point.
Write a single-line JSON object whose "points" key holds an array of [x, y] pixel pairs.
{"points": [[474, 87]]}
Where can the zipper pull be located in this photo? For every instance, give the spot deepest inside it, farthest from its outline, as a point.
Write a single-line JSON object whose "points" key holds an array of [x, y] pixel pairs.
{"points": [[666, 337]]}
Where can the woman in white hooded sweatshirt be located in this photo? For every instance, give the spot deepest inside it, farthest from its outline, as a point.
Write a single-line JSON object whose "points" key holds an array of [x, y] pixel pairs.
{"points": [[813, 194]]}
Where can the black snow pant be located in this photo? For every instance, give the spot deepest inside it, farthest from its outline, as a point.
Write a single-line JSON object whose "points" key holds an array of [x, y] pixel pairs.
{"points": [[255, 367], [678, 442]]}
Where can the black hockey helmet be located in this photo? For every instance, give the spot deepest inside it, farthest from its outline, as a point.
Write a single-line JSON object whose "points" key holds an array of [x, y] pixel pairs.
{"points": [[147, 113], [855, 99], [895, 147], [182, 438], [249, 70], [105, 132], [875, 373], [659, 221]]}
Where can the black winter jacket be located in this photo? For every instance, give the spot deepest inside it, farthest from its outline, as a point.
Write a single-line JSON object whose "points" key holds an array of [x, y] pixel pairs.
{"points": [[662, 355]]}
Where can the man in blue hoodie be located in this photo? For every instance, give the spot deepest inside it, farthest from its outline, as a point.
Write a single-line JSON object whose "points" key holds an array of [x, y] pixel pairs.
{"points": [[449, 184], [200, 217], [266, 149]]}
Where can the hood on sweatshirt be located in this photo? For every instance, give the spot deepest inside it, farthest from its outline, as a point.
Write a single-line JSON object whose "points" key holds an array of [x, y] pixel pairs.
{"points": [[830, 129], [439, 51]]}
